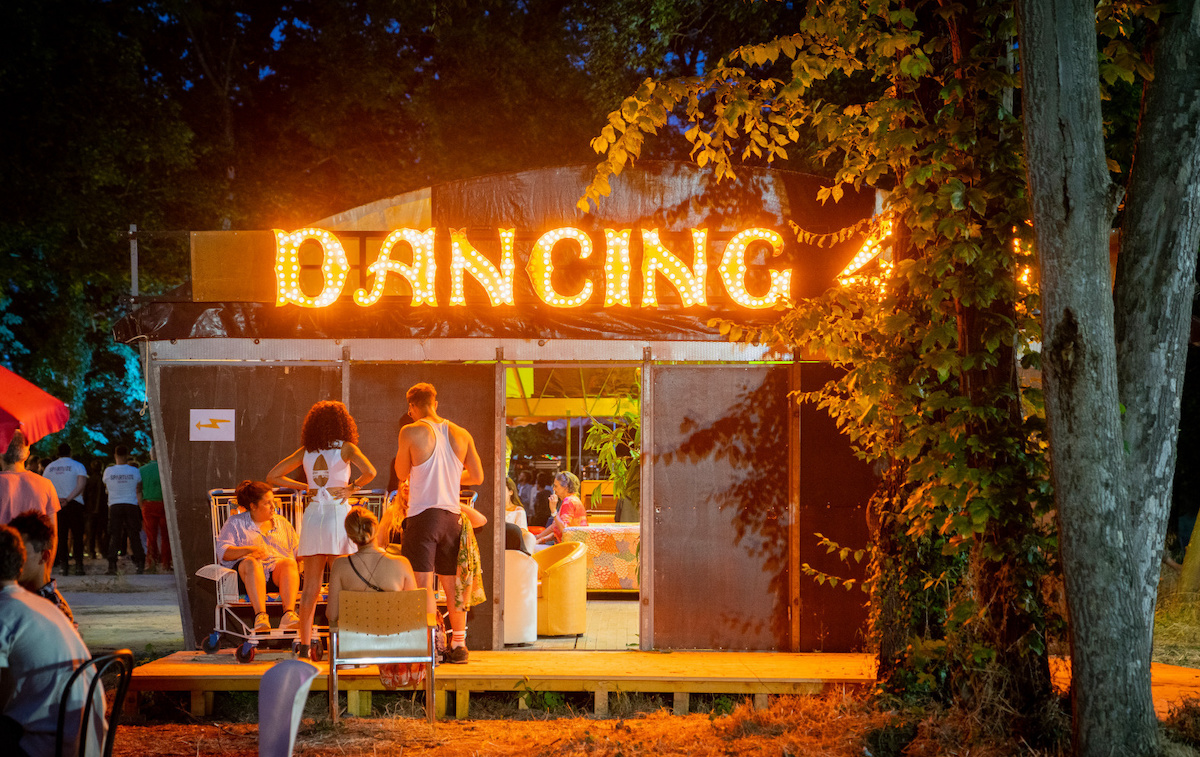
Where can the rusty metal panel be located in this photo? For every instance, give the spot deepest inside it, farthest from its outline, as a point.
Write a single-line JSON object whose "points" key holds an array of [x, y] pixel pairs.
{"points": [[270, 403], [466, 395], [233, 266], [721, 569], [835, 487]]}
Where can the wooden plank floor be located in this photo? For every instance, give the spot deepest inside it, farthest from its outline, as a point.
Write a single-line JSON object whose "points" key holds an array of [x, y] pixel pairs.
{"points": [[679, 673]]}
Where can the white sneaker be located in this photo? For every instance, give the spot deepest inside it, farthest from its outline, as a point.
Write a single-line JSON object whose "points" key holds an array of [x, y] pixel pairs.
{"points": [[262, 623], [290, 621]]}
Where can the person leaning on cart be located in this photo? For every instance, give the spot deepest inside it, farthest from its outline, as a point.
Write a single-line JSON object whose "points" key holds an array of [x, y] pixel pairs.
{"points": [[261, 546]]}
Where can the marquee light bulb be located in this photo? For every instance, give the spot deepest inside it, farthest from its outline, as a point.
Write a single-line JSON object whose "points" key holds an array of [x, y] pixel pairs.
{"points": [[617, 268], [334, 268], [872, 248], [420, 275], [733, 269], [689, 282], [541, 267], [498, 283]]}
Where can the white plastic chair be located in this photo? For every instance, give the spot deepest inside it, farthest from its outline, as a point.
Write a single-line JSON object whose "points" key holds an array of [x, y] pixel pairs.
{"points": [[281, 697], [520, 597]]}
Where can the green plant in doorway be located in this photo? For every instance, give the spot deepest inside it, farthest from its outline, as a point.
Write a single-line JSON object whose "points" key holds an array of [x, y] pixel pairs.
{"points": [[619, 451]]}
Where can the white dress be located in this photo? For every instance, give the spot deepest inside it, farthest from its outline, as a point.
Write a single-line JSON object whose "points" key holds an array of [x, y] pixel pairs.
{"points": [[324, 526]]}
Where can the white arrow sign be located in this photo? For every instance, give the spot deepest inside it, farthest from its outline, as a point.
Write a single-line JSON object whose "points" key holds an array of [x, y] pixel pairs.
{"points": [[212, 426]]}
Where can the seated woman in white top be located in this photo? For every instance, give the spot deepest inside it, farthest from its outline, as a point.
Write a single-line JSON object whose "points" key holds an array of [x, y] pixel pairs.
{"points": [[261, 546], [514, 511]]}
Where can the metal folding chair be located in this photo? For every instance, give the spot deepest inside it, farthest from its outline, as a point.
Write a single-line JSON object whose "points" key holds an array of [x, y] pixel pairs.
{"points": [[382, 627], [121, 662]]}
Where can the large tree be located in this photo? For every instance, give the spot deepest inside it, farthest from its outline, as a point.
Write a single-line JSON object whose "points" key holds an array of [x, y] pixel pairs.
{"points": [[914, 98], [961, 474], [1113, 365]]}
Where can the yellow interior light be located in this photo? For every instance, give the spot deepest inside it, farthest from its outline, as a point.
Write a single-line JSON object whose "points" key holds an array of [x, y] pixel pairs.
{"points": [[541, 267], [334, 268], [498, 283], [689, 282]]}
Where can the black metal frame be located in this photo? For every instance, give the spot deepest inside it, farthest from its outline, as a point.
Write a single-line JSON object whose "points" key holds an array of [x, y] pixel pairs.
{"points": [[122, 661]]}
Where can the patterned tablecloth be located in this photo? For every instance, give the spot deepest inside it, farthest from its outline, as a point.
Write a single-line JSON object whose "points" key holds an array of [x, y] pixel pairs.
{"points": [[612, 556]]}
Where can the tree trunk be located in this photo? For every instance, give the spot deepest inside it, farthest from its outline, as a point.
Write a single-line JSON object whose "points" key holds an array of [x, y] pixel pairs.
{"points": [[1068, 179], [1155, 278]]}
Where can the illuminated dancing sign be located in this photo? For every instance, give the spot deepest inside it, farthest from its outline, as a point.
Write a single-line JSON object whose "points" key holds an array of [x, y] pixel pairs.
{"points": [[689, 281]]}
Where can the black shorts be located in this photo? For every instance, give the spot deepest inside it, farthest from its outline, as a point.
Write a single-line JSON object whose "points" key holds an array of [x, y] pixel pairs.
{"points": [[272, 587], [431, 541]]}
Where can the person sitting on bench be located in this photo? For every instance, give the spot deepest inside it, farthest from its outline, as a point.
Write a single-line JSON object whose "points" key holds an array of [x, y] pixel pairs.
{"points": [[261, 546]]}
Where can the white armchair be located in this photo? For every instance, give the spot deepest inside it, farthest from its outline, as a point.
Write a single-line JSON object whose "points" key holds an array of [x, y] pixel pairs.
{"points": [[520, 597]]}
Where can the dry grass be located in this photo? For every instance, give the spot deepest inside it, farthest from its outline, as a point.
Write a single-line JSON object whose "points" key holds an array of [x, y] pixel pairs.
{"points": [[1176, 624], [836, 725]]}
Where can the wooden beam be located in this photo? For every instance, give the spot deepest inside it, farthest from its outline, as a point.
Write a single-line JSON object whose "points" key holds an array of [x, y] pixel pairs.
{"points": [[682, 703], [601, 699]]}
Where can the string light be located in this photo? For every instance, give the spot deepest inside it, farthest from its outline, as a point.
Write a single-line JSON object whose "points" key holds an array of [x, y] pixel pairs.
{"points": [[498, 283], [733, 269], [617, 268], [541, 267], [334, 268], [689, 282], [420, 275]]}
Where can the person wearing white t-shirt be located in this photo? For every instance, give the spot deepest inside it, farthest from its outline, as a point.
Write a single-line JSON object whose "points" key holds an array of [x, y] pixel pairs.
{"points": [[124, 515], [39, 650], [69, 478]]}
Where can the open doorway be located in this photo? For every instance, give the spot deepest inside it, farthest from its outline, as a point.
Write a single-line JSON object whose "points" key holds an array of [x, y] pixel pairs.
{"points": [[585, 420]]}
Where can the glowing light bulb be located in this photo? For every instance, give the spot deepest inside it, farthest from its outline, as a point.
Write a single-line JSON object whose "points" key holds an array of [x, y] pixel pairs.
{"points": [[617, 268], [334, 268], [689, 282], [497, 282], [733, 269], [541, 267], [420, 275]]}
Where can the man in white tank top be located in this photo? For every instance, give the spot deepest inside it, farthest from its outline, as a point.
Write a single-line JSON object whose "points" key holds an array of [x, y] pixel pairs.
{"points": [[437, 458]]}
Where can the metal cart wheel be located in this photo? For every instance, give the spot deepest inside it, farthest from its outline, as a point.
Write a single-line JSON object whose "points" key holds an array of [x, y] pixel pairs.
{"points": [[211, 643], [245, 652]]}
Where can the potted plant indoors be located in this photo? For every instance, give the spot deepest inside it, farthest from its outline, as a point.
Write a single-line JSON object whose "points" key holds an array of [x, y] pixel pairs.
{"points": [[619, 451]]}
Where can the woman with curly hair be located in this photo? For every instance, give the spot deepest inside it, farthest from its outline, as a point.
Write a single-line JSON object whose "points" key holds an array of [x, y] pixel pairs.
{"points": [[330, 447]]}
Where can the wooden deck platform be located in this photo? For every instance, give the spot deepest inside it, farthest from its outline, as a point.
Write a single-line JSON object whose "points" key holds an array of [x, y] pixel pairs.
{"points": [[756, 674]]}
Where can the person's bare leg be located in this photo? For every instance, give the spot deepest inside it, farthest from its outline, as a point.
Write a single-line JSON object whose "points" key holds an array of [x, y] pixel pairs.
{"points": [[314, 574], [287, 578], [458, 618], [425, 581], [251, 571]]}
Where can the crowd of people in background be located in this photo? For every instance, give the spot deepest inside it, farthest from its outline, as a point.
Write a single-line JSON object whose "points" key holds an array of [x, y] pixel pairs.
{"points": [[99, 511]]}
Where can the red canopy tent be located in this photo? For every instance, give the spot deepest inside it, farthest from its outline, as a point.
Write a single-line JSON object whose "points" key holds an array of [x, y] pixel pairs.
{"points": [[24, 406]]}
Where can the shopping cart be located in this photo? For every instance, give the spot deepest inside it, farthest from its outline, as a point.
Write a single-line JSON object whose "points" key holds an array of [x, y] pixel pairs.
{"points": [[233, 615]]}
